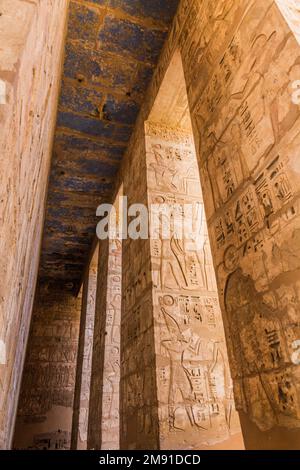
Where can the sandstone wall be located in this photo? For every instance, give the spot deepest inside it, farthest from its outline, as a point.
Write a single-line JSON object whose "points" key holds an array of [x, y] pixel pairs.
{"points": [[240, 60], [31, 39], [291, 11], [45, 408], [249, 131]]}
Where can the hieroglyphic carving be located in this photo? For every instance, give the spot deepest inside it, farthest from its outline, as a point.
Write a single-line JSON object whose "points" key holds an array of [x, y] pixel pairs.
{"points": [[49, 374], [84, 359], [138, 397], [198, 388], [164, 132], [238, 70], [252, 99], [266, 380], [201, 47], [194, 384], [103, 420], [138, 387], [27, 123], [49, 378], [111, 371], [249, 132], [59, 440]]}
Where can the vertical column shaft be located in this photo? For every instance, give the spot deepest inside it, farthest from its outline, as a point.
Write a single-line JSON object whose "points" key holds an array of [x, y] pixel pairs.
{"points": [[103, 430], [84, 362]]}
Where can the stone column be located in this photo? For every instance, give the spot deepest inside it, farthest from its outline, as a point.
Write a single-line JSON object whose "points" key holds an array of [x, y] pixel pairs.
{"points": [[84, 359], [103, 429], [176, 389], [138, 394], [195, 394]]}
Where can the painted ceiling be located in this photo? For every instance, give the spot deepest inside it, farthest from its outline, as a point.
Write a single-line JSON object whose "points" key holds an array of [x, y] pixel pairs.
{"points": [[111, 51]]}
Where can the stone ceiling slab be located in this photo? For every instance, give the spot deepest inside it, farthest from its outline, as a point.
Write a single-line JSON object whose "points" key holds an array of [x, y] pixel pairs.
{"points": [[111, 51]]}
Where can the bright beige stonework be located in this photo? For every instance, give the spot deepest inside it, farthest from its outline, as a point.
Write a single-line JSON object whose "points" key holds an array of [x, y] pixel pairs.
{"points": [[103, 428], [194, 343], [31, 37], [174, 306], [84, 358], [291, 11], [239, 60]]}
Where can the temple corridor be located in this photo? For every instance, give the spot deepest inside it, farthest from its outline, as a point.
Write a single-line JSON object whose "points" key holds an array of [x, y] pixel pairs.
{"points": [[150, 208]]}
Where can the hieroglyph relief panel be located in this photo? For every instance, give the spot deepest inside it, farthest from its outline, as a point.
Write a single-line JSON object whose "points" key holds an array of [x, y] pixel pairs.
{"points": [[138, 396], [205, 33], [249, 130], [46, 399], [195, 395], [103, 420], [30, 68], [111, 372], [88, 311]]}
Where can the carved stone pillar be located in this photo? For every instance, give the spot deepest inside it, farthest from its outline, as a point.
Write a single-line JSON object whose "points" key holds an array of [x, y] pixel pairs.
{"points": [[84, 359], [103, 432], [195, 395], [138, 395], [176, 389]]}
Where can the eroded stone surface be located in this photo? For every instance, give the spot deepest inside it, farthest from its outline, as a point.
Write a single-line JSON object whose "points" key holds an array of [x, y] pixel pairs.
{"points": [[31, 37]]}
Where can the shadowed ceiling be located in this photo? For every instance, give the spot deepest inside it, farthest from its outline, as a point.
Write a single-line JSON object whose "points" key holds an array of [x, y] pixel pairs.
{"points": [[112, 49]]}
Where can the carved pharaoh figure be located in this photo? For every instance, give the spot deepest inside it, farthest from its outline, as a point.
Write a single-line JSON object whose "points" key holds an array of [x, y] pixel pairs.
{"points": [[198, 380]]}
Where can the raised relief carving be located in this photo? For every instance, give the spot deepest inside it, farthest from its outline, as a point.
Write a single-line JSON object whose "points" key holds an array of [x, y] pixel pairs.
{"points": [[239, 66], [194, 385], [59, 440], [267, 384], [111, 370]]}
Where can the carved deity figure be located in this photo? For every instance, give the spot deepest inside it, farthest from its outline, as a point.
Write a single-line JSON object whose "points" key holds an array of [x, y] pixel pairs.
{"points": [[181, 267], [198, 382]]}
